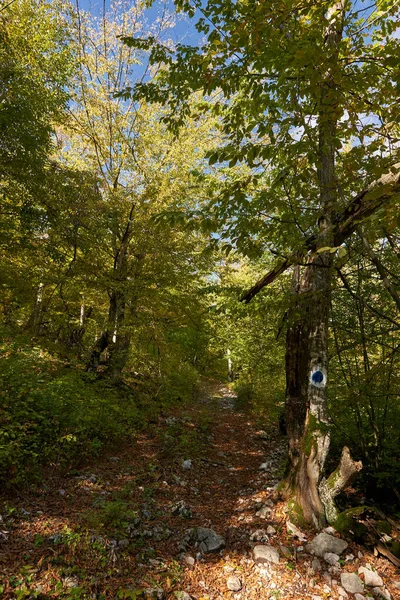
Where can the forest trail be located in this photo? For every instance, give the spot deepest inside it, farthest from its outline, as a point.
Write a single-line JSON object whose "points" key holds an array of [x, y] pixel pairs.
{"points": [[119, 526]]}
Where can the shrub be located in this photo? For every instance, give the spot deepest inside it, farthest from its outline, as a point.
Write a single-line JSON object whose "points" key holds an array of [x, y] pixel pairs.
{"points": [[52, 412]]}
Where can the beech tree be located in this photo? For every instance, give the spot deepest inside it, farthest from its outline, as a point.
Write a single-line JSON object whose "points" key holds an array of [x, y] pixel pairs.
{"points": [[306, 96], [126, 147], [36, 66]]}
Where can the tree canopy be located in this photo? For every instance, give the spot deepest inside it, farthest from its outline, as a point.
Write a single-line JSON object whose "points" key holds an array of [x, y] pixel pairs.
{"points": [[230, 207]]}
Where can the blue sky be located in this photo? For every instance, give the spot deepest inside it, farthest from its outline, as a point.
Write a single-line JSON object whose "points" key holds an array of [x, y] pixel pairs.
{"points": [[184, 30]]}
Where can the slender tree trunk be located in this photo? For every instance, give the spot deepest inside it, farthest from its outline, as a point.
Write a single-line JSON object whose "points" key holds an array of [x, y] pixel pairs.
{"points": [[114, 338], [119, 342], [36, 316], [230, 367]]}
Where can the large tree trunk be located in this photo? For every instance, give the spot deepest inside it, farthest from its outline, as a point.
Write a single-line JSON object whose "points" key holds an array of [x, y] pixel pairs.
{"points": [[306, 376], [307, 337]]}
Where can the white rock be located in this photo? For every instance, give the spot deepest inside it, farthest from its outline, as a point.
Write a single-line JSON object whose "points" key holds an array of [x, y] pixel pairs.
{"points": [[359, 597], [271, 530], [265, 554], [187, 464], [381, 592], [155, 593], [264, 512], [228, 569], [316, 565], [260, 535], [371, 578], [331, 558], [324, 543], [327, 576], [352, 583], [295, 532], [234, 584], [330, 530], [349, 557], [71, 582], [386, 538], [342, 592]]}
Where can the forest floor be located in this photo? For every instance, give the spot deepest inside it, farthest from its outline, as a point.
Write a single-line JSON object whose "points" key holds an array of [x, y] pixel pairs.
{"points": [[118, 527]]}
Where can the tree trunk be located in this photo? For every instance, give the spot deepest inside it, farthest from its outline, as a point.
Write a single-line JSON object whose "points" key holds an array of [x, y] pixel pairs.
{"points": [[337, 482], [296, 384], [114, 337], [119, 342], [35, 319], [306, 376], [307, 337]]}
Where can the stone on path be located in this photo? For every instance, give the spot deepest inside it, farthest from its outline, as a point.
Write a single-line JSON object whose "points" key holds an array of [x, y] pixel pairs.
{"points": [[182, 596], [209, 541], [189, 560], [181, 509], [154, 594], [260, 535], [265, 554], [71, 582], [316, 565], [264, 512], [295, 532], [371, 578], [203, 538], [381, 593], [352, 583], [234, 584], [332, 559], [324, 543]]}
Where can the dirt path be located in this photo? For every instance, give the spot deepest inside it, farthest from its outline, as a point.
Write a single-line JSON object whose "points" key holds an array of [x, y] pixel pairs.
{"points": [[118, 526]]}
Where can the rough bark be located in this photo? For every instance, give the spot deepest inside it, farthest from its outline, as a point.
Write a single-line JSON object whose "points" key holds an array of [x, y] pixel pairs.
{"points": [[316, 284], [296, 360], [337, 482], [306, 401]]}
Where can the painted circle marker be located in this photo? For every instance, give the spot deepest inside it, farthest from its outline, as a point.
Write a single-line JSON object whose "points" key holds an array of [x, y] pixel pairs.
{"points": [[317, 377]]}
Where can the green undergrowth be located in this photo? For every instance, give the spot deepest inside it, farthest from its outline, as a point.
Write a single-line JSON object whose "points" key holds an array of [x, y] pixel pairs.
{"points": [[263, 397], [53, 412]]}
